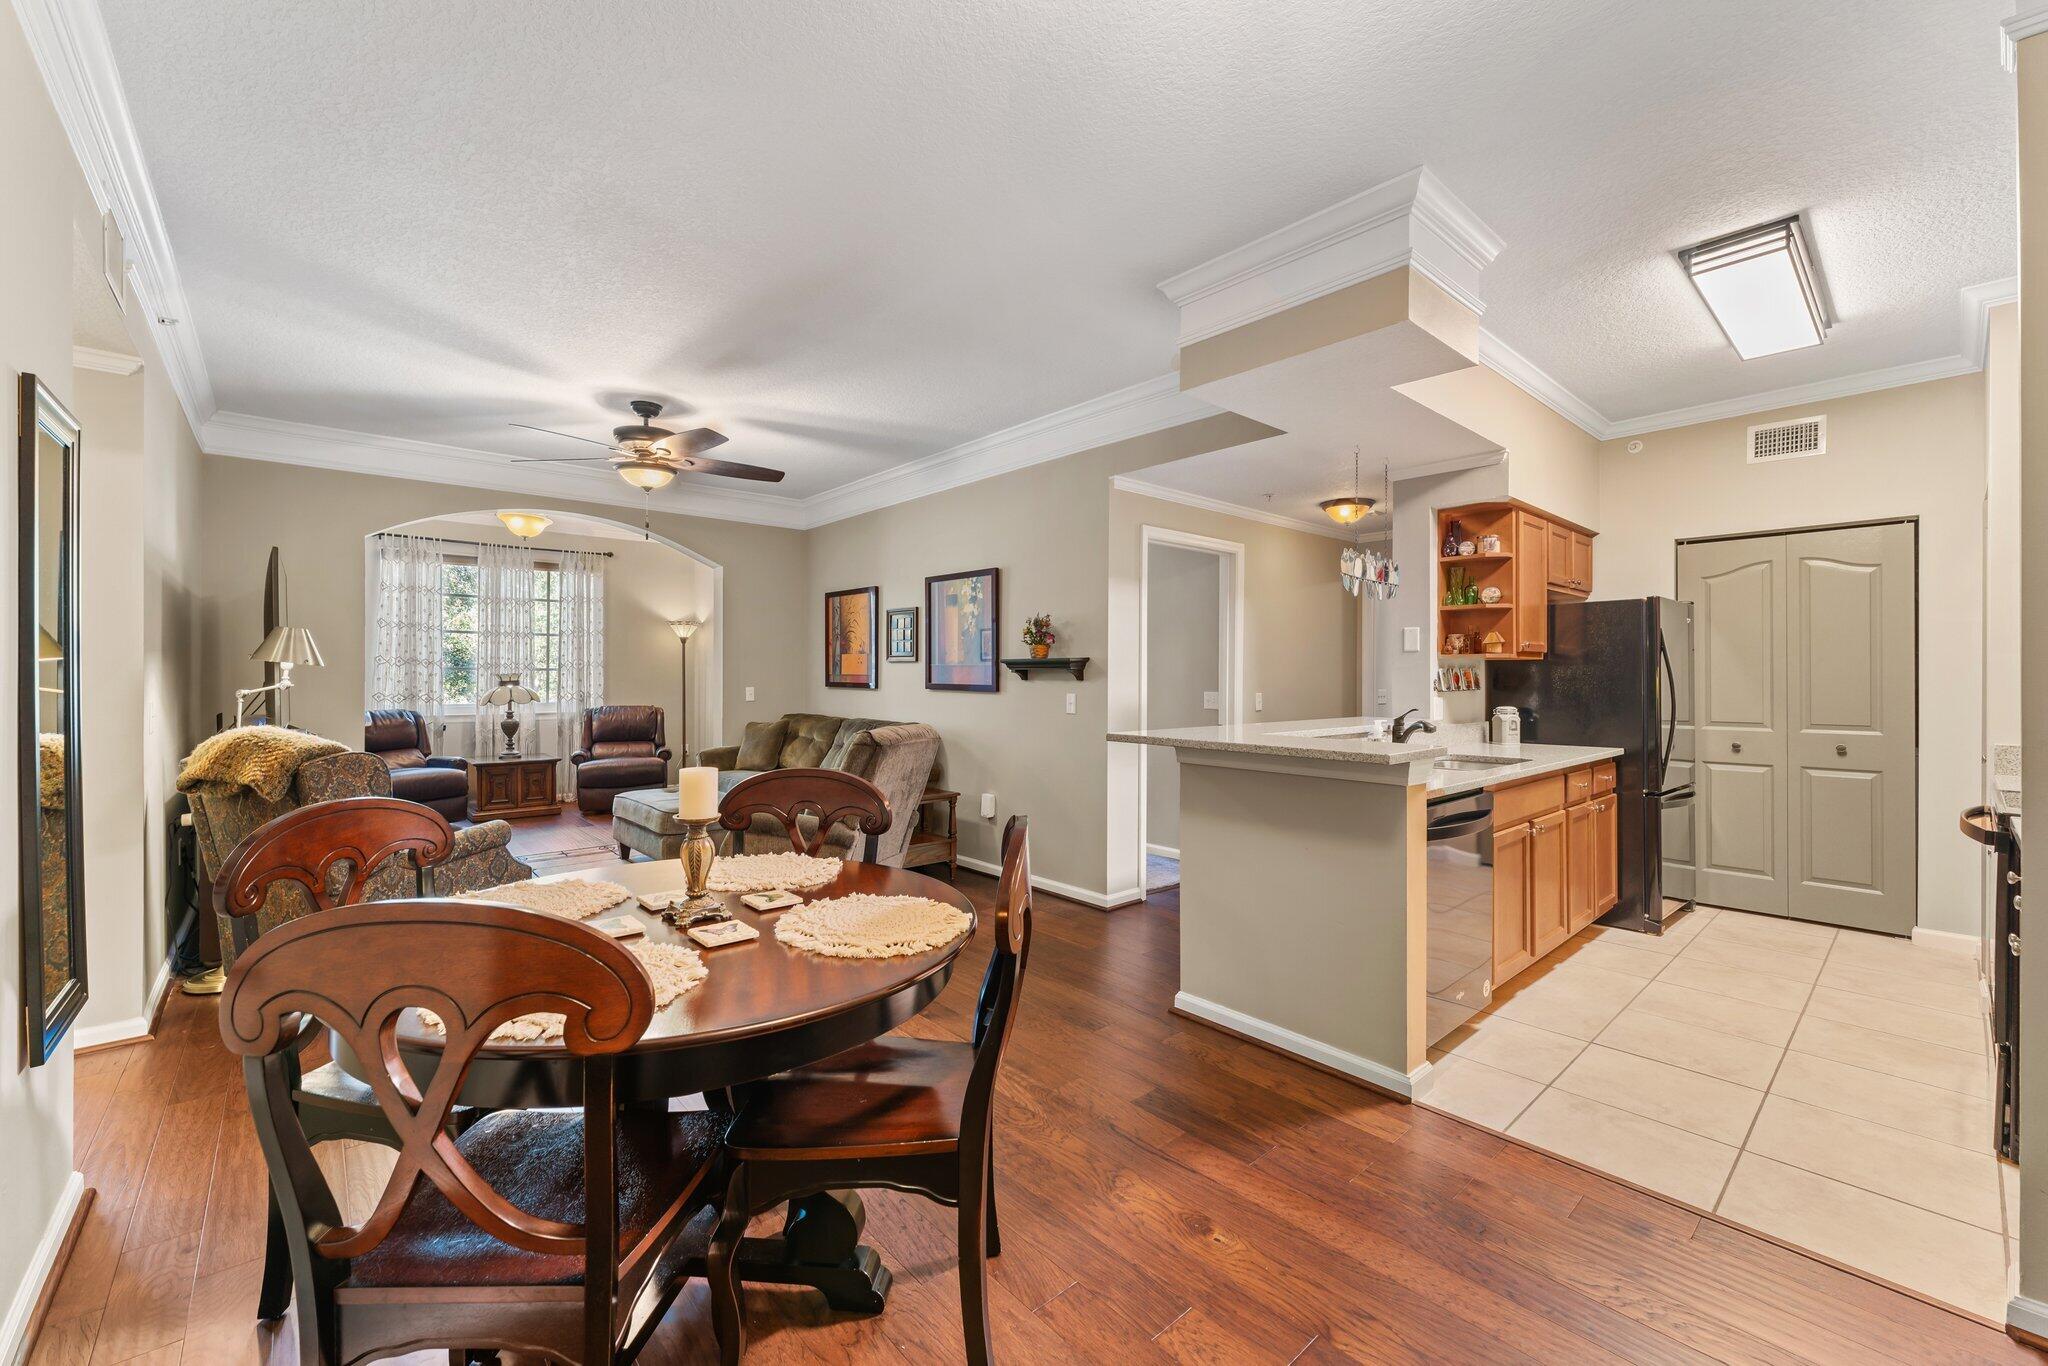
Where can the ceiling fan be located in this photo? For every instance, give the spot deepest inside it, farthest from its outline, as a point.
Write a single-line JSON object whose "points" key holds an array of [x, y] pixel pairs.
{"points": [[648, 457]]}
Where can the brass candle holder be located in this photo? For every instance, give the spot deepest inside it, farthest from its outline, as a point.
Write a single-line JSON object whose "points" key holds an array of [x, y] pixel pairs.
{"points": [[699, 852]]}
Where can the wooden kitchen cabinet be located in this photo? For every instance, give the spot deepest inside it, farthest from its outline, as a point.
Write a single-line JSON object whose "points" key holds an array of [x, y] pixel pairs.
{"points": [[1606, 853], [1549, 921], [1513, 946], [1580, 865], [1531, 638], [1569, 562]]}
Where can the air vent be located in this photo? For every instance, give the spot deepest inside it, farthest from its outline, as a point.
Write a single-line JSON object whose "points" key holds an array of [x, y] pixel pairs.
{"points": [[1788, 440]]}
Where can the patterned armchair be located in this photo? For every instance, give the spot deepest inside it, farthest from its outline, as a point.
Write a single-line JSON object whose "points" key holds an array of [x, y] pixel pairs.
{"points": [[481, 858]]}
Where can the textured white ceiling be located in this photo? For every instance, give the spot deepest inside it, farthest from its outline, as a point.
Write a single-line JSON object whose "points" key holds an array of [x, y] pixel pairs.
{"points": [[853, 234]]}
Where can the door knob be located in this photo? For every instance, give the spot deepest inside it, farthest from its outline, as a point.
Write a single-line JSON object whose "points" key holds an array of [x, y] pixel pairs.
{"points": [[1736, 747], [1841, 750]]}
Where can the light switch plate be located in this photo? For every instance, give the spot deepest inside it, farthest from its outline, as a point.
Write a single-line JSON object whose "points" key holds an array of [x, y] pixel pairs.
{"points": [[1411, 639], [750, 694], [1258, 701], [1212, 701], [988, 806], [1070, 704]]}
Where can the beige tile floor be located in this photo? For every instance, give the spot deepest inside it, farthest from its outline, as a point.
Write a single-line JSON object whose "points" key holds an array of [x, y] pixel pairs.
{"points": [[1829, 1088]]}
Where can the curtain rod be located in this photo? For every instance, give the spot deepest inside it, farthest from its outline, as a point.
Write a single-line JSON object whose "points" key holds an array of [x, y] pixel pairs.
{"points": [[500, 545]]}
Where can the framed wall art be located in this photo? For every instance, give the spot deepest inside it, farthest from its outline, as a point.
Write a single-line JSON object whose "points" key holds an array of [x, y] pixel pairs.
{"points": [[962, 622], [851, 618], [902, 635]]}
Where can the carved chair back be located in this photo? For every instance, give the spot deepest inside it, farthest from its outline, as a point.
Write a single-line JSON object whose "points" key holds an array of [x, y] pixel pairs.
{"points": [[331, 849], [826, 795], [996, 1007], [354, 969]]}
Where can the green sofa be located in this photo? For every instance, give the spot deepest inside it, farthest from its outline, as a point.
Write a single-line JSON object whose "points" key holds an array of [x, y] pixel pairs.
{"points": [[900, 759]]}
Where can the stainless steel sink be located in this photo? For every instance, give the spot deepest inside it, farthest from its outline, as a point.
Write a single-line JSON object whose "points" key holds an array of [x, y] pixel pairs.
{"points": [[1473, 764]]}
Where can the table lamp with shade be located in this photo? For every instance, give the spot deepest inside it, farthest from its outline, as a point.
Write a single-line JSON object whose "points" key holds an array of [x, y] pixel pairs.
{"points": [[509, 693], [284, 647]]}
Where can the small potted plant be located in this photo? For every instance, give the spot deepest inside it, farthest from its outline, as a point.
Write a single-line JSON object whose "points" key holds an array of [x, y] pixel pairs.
{"points": [[1038, 635]]}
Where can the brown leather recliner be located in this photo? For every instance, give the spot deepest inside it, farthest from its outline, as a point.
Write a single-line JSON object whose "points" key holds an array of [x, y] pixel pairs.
{"points": [[399, 737], [623, 748]]}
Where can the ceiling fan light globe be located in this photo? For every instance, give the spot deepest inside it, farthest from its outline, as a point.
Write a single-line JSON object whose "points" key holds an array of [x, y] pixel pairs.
{"points": [[646, 475]]}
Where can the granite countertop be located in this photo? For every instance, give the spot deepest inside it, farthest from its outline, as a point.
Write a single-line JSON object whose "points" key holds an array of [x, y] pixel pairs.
{"points": [[1334, 739], [1524, 761]]}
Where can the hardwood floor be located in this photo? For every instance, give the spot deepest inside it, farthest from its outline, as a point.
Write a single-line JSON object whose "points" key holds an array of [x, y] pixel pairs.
{"points": [[1168, 1193]]}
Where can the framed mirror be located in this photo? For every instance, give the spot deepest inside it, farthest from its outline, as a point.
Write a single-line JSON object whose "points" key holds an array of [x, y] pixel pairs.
{"points": [[52, 893]]}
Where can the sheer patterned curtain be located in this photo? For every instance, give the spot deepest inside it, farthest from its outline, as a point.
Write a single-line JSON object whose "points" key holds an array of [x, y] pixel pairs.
{"points": [[405, 654], [504, 639], [579, 652]]}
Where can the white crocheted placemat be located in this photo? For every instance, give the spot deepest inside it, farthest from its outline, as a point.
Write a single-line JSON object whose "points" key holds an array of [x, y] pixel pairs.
{"points": [[862, 926], [674, 969], [771, 872], [572, 898]]}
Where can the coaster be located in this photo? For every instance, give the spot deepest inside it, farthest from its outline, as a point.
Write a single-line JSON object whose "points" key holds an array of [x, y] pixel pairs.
{"points": [[657, 901], [772, 901], [619, 927], [720, 933]]}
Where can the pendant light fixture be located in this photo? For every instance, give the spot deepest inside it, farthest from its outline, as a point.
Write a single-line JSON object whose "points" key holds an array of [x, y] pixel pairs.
{"points": [[525, 525], [1364, 572]]}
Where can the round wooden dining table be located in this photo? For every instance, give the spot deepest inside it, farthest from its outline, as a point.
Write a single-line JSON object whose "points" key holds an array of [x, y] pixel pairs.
{"points": [[764, 1008]]}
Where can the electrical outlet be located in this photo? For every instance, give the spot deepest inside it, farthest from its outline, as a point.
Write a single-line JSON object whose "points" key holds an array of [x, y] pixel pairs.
{"points": [[750, 694], [1411, 639], [1070, 704], [1212, 701], [1384, 698], [1258, 701], [988, 806]]}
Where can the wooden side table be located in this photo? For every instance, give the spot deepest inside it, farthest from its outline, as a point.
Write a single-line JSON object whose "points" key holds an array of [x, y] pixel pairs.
{"points": [[927, 847], [507, 789]]}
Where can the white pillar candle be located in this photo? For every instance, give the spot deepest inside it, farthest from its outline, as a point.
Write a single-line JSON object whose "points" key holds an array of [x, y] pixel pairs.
{"points": [[697, 794]]}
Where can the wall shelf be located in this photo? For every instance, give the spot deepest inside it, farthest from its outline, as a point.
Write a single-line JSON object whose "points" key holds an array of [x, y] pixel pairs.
{"points": [[1024, 668]]}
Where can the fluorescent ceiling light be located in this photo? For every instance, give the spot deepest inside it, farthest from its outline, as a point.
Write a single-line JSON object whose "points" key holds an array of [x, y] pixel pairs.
{"points": [[1760, 285]]}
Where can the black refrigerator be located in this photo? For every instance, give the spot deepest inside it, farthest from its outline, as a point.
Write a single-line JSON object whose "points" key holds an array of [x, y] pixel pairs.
{"points": [[1619, 674]]}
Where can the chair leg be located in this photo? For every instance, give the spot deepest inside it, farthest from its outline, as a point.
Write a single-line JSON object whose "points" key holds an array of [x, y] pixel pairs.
{"points": [[275, 1295], [974, 1269], [995, 1237], [728, 1313]]}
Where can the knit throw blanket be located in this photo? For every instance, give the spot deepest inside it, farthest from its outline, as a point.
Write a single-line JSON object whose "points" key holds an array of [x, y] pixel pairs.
{"points": [[258, 759]]}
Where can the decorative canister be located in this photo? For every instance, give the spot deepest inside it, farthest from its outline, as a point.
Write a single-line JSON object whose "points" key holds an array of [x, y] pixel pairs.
{"points": [[1489, 545]]}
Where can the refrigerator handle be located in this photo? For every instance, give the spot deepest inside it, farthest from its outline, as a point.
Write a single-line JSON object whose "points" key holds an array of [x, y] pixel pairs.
{"points": [[1671, 700]]}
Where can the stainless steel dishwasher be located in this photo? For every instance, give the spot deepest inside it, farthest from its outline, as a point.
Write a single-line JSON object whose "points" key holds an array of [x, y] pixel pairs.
{"points": [[1460, 928]]}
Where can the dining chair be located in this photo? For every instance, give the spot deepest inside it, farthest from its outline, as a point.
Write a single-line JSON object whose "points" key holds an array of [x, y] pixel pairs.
{"points": [[562, 1233], [337, 853], [901, 1113], [792, 797]]}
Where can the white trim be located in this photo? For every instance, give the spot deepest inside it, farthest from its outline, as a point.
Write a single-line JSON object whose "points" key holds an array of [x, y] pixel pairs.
{"points": [[1978, 301], [41, 1266], [1407, 1086], [1538, 384], [69, 41], [1162, 851], [1138, 410], [1066, 890], [1799, 395], [1124, 483], [107, 362], [1947, 941], [136, 1027], [1411, 220], [2028, 20], [2027, 1315]]}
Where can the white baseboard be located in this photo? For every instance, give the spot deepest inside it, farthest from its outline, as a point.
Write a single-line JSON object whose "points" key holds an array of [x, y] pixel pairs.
{"points": [[2029, 1316], [1098, 900], [14, 1332], [1163, 851], [1948, 941], [135, 1027], [1407, 1086]]}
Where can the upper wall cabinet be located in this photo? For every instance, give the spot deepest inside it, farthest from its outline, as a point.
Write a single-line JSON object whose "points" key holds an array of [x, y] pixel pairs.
{"points": [[1523, 560]]}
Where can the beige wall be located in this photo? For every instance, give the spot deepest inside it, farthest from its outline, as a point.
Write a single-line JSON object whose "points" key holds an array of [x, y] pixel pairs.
{"points": [[320, 518], [1404, 677], [2002, 630], [1551, 463], [1184, 590], [44, 191], [646, 585], [2033, 176], [1915, 451]]}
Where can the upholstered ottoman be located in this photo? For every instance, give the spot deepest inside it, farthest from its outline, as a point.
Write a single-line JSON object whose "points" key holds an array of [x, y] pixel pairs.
{"points": [[645, 820]]}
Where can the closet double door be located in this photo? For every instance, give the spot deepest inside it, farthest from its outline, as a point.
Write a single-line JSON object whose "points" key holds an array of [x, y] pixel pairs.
{"points": [[1804, 734]]}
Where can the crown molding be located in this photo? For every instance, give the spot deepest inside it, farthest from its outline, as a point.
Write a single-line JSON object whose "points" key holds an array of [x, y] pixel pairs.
{"points": [[1411, 220], [1820, 391], [69, 42], [1139, 410], [107, 362], [246, 436], [2030, 17], [1123, 483], [1539, 385], [1978, 301]]}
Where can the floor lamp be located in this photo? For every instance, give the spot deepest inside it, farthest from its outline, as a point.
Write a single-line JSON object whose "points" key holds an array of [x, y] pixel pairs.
{"points": [[684, 629]]}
